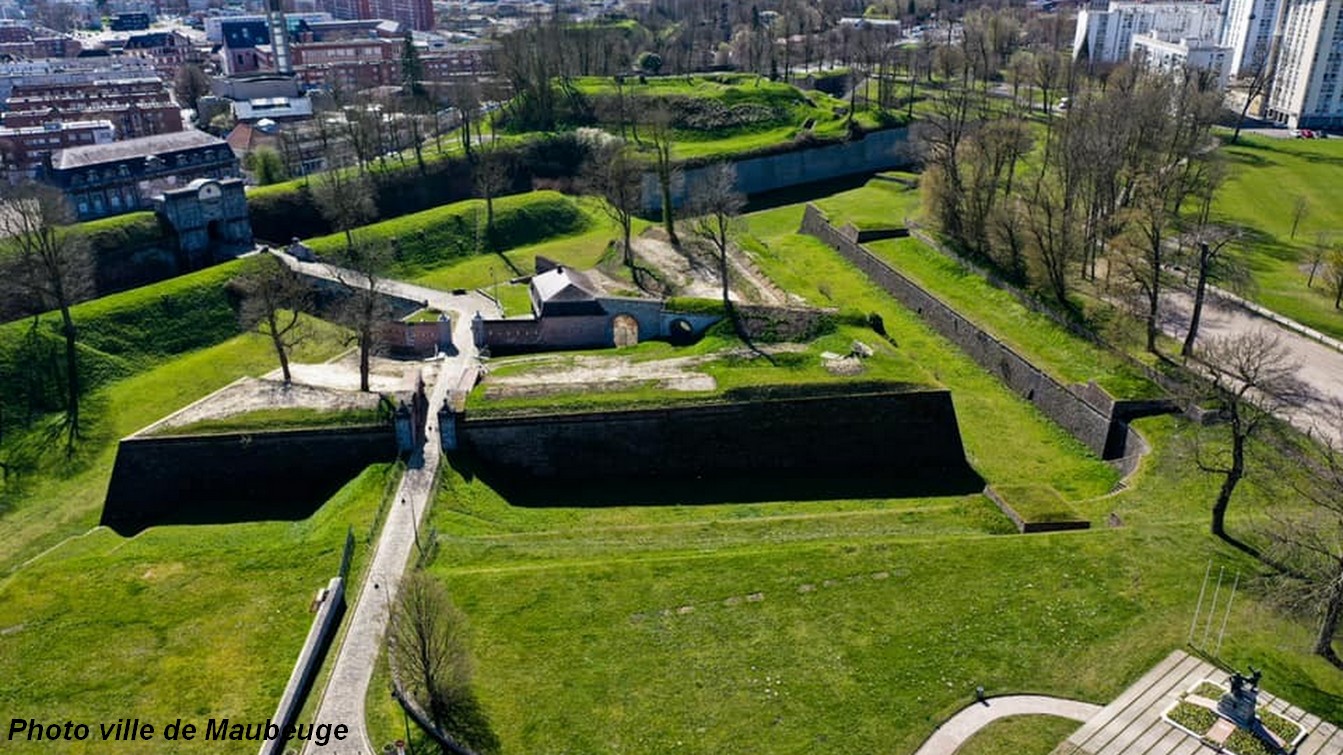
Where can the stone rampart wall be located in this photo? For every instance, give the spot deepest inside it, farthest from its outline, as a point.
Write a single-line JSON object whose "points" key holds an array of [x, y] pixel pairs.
{"points": [[896, 432], [1108, 438]]}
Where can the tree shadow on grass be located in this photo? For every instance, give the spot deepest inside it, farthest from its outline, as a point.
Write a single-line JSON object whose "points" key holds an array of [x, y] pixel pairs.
{"points": [[715, 488]]}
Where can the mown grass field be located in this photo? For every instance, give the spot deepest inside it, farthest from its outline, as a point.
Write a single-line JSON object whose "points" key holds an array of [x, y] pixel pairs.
{"points": [[839, 626], [846, 625], [884, 203], [194, 622], [1020, 735], [1266, 178], [180, 621]]}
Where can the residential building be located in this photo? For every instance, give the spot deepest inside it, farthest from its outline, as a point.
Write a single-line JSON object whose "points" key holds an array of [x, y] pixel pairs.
{"points": [[1106, 36], [24, 149], [415, 14], [1182, 55], [110, 179], [214, 26], [166, 50], [136, 106], [42, 74], [1248, 31], [1306, 92]]}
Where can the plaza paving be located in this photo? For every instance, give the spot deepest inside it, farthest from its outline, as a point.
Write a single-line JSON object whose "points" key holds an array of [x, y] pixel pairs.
{"points": [[1132, 724]]}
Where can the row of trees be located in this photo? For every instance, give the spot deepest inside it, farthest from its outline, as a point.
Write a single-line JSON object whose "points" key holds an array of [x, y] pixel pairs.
{"points": [[1122, 187], [1114, 195]]}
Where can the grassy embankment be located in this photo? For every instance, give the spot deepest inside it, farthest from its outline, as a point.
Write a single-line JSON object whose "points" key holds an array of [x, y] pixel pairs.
{"points": [[1267, 176], [732, 114], [848, 625], [190, 621]]}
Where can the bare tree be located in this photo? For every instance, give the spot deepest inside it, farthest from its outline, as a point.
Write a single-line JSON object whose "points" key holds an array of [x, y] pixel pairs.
{"points": [[1210, 263], [1334, 265], [1300, 209], [274, 297], [1260, 82], [1307, 547], [617, 177], [189, 85], [1318, 253], [49, 267], [428, 648], [364, 308], [492, 174], [1252, 378], [659, 131], [345, 199], [716, 207]]}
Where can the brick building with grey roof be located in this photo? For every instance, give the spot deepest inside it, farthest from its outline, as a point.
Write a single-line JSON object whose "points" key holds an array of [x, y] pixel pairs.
{"points": [[109, 179]]}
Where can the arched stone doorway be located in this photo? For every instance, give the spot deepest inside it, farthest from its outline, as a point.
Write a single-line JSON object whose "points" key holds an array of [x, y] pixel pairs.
{"points": [[625, 330]]}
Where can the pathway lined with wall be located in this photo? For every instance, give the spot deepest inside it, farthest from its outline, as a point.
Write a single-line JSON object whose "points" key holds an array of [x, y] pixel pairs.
{"points": [[1101, 429], [352, 670]]}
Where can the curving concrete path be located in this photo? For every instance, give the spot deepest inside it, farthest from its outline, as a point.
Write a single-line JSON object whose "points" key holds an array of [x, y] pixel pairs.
{"points": [[960, 727]]}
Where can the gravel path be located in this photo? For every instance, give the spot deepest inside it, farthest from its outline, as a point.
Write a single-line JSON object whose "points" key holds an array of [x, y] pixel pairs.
{"points": [[352, 666]]}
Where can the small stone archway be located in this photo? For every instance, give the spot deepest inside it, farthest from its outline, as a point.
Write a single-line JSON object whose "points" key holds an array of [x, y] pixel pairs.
{"points": [[624, 330]]}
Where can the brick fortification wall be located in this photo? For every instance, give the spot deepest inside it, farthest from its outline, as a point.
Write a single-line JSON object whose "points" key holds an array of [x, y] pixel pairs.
{"points": [[201, 477], [896, 432], [1101, 429]]}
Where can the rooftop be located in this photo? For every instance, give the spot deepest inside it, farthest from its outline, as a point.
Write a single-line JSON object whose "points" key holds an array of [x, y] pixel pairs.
{"points": [[561, 284], [94, 154]]}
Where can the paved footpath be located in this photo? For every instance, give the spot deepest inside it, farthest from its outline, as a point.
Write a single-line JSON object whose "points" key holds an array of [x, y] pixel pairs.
{"points": [[1320, 364], [343, 700], [960, 727]]}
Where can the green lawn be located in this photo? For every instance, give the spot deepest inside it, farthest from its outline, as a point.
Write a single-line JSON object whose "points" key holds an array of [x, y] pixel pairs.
{"points": [[734, 374], [580, 250], [778, 627], [190, 621], [194, 622], [1267, 177], [1019, 735], [845, 625], [288, 418], [428, 240], [885, 203], [63, 497], [1040, 452], [779, 112]]}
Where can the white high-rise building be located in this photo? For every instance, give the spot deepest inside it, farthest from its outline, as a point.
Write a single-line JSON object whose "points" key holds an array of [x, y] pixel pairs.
{"points": [[1106, 36], [1180, 56], [1248, 31], [1306, 91]]}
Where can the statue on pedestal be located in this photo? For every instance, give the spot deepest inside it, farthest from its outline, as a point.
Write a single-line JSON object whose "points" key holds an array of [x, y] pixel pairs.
{"points": [[1239, 704]]}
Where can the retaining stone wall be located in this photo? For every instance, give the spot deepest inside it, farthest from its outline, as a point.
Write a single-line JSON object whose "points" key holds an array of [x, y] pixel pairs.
{"points": [[1107, 437], [879, 150], [913, 431], [195, 476]]}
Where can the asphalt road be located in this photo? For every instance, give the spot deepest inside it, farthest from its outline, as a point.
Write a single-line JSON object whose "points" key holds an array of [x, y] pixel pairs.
{"points": [[1318, 365]]}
